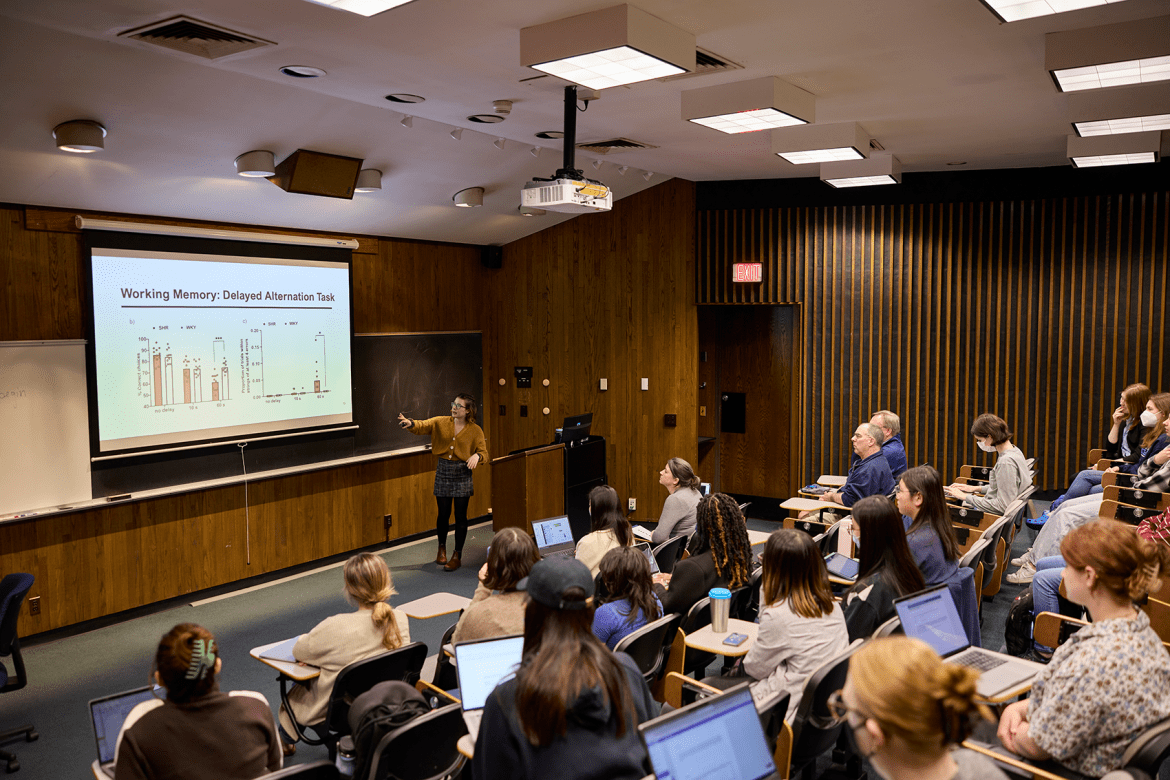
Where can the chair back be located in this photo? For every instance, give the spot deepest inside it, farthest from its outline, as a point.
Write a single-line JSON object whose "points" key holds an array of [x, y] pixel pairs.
{"points": [[827, 541], [1149, 749], [974, 554], [426, 748], [814, 729], [668, 554], [13, 589], [404, 663], [772, 713], [314, 770], [891, 626], [750, 608], [647, 645], [697, 616], [446, 678]]}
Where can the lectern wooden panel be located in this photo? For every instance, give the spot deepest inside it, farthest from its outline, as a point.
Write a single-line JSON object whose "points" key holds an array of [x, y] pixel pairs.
{"points": [[528, 486]]}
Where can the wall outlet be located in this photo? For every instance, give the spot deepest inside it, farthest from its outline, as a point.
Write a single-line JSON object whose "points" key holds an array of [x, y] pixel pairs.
{"points": [[523, 410], [34, 606], [670, 420], [633, 504], [702, 411]]}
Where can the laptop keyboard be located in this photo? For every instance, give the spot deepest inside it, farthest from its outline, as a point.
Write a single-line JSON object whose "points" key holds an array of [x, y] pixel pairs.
{"points": [[561, 554], [982, 662]]}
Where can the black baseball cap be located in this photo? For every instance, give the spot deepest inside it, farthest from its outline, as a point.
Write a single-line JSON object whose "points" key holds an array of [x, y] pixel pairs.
{"points": [[550, 578]]}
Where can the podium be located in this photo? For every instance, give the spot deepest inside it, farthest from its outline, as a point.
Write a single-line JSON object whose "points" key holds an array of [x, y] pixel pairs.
{"points": [[528, 486]]}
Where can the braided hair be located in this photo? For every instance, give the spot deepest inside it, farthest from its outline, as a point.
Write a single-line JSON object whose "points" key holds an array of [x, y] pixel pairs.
{"points": [[721, 528]]}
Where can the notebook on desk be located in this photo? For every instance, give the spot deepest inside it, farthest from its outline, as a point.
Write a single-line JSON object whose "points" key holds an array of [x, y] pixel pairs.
{"points": [[108, 714], [931, 615], [481, 666], [554, 537], [716, 737]]}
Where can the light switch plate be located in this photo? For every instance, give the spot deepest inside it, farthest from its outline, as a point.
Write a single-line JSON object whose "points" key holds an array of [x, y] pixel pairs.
{"points": [[645, 383]]}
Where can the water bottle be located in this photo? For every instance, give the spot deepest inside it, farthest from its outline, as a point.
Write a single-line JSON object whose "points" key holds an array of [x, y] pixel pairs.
{"points": [[346, 756]]}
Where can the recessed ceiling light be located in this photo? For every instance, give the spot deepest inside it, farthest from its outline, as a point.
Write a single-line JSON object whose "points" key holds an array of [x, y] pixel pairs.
{"points": [[608, 48], [402, 97], [1132, 124], [550, 135], [302, 72], [361, 7], [807, 144], [469, 198], [485, 119], [749, 106], [1015, 10], [80, 135]]}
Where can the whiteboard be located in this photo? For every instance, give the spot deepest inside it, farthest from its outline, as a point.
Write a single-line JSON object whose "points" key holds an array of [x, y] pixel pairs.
{"points": [[44, 416]]}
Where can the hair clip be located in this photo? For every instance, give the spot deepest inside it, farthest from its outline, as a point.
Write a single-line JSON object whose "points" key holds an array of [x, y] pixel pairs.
{"points": [[202, 658]]}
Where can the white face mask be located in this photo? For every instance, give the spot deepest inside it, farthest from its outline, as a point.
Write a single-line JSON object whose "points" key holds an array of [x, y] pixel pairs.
{"points": [[985, 446], [1149, 419]]}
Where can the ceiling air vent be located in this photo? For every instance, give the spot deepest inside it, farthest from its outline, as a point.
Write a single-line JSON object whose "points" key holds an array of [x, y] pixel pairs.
{"points": [[707, 62], [191, 36], [614, 145]]}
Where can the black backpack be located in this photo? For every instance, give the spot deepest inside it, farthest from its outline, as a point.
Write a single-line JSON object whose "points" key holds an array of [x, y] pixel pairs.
{"points": [[1017, 632], [380, 710]]}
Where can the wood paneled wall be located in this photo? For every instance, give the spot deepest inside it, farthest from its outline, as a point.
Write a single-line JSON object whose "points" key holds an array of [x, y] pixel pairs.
{"points": [[1037, 310], [607, 295], [604, 295]]}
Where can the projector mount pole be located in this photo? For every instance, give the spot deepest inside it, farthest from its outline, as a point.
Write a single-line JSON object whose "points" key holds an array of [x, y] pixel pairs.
{"points": [[570, 171]]}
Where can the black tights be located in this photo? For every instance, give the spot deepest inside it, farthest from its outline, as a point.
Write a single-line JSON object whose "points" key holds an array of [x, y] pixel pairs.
{"points": [[460, 503]]}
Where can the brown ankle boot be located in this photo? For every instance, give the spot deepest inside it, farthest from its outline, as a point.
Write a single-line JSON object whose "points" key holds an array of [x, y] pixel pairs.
{"points": [[453, 564], [441, 558]]}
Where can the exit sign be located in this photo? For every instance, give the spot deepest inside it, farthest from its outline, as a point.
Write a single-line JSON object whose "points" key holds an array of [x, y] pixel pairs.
{"points": [[747, 272]]}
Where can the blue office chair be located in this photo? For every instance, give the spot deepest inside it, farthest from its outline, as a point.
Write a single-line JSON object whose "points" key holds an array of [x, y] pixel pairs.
{"points": [[13, 589]]}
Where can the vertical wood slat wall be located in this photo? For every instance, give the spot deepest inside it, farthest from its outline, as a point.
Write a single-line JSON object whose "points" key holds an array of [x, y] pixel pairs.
{"points": [[1040, 311]]}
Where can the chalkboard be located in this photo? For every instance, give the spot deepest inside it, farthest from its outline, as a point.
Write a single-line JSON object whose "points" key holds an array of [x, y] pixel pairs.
{"points": [[418, 374], [415, 373]]}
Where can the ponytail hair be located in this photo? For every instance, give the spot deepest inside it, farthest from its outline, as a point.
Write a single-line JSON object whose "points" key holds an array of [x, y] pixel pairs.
{"points": [[1126, 565], [186, 660], [368, 585], [903, 684], [682, 471]]}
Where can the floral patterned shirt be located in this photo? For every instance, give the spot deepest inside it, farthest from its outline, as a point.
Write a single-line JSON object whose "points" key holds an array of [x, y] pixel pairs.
{"points": [[1104, 686]]}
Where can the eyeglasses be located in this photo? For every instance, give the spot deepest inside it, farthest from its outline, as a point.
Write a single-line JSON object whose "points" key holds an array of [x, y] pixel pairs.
{"points": [[838, 709], [458, 406]]}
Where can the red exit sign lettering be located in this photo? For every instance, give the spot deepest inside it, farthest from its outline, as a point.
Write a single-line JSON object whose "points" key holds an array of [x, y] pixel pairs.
{"points": [[747, 272]]}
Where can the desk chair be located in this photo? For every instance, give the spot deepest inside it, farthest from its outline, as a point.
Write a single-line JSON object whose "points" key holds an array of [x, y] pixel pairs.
{"points": [[405, 663], [677, 659], [13, 589], [446, 678], [423, 749], [814, 729], [650, 644], [889, 628], [670, 552], [1146, 499], [995, 553], [314, 770]]}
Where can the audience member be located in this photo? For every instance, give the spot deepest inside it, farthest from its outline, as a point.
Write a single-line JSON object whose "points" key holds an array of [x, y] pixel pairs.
{"points": [[886, 569], [1009, 477], [609, 528], [572, 710], [497, 608], [1111, 679], [625, 573], [338, 641], [907, 711], [870, 475], [678, 511], [198, 731], [893, 449], [721, 556]]}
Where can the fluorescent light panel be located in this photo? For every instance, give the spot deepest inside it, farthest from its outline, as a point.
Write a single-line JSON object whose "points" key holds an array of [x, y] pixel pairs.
{"points": [[1133, 124], [861, 181], [806, 144], [1015, 10], [1114, 74], [610, 68], [749, 106], [822, 155], [361, 7], [749, 121], [1114, 159], [877, 170]]}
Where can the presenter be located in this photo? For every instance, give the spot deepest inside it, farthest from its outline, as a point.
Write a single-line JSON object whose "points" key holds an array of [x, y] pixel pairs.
{"points": [[461, 446]]}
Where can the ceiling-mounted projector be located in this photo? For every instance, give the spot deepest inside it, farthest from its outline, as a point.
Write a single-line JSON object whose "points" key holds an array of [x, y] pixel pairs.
{"points": [[573, 196], [568, 190]]}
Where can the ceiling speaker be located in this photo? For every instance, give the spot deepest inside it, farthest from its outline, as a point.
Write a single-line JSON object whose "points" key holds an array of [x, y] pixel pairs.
{"points": [[315, 173]]}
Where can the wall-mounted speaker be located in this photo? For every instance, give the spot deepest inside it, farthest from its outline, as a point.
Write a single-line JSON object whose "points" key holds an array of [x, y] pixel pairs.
{"points": [[492, 256], [316, 173]]}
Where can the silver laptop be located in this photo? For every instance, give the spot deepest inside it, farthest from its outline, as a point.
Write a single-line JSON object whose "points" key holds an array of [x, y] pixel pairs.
{"points": [[554, 537], [931, 615], [717, 737], [108, 714], [481, 666]]}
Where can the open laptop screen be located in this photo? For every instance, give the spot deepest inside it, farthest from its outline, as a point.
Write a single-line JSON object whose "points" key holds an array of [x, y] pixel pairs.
{"points": [[930, 615], [485, 664], [555, 530], [108, 716], [717, 737]]}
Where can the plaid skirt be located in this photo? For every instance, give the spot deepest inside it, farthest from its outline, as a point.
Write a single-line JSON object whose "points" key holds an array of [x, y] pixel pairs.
{"points": [[453, 479]]}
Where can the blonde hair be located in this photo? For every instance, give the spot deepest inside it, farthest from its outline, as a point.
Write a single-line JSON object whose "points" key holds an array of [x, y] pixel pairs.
{"points": [[1127, 565], [901, 683], [368, 584]]}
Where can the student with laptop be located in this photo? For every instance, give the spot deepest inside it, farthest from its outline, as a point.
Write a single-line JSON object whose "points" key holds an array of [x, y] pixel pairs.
{"points": [[1111, 679], [906, 712], [1010, 476], [573, 708], [625, 574], [886, 568], [198, 732], [608, 529], [497, 608]]}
